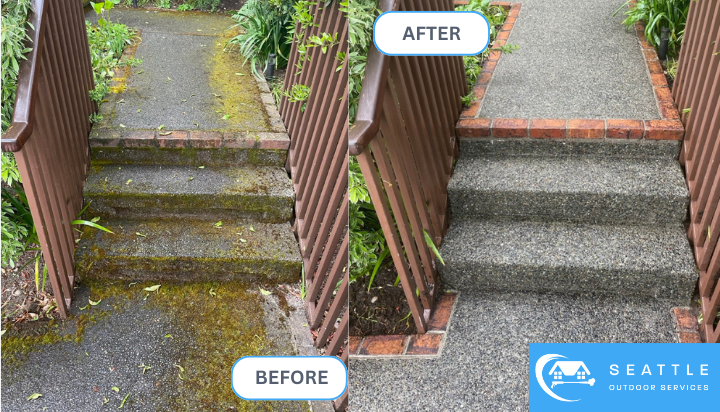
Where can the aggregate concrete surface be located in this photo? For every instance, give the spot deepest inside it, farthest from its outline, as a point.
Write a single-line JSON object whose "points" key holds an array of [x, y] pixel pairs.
{"points": [[575, 61], [484, 365], [186, 80], [80, 376]]}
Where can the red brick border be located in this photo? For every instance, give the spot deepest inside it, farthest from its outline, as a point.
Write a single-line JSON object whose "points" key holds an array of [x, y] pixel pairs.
{"points": [[409, 346], [686, 326], [134, 138], [669, 127]]}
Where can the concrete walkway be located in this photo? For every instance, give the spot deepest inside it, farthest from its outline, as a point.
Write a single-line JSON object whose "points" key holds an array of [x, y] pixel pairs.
{"points": [[484, 365], [575, 61], [167, 350]]}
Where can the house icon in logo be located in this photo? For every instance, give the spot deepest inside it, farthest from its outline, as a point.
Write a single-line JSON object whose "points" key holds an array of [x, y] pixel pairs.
{"points": [[570, 372]]}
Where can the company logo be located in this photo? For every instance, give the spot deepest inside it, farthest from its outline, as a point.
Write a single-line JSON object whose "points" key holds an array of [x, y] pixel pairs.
{"points": [[562, 373]]}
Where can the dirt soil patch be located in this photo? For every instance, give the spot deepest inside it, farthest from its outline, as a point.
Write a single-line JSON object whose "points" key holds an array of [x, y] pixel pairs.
{"points": [[22, 300], [381, 311]]}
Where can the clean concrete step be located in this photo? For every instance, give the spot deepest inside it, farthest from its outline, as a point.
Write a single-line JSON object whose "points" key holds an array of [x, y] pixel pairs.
{"points": [[577, 188], [190, 250], [570, 147], [127, 191], [652, 261]]}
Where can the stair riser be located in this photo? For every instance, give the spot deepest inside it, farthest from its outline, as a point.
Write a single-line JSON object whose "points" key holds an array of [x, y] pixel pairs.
{"points": [[570, 147], [475, 204], [189, 157], [188, 269], [268, 209], [658, 284]]}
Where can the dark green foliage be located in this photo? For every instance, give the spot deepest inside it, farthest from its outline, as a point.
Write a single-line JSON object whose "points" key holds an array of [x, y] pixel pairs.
{"points": [[657, 14], [367, 241], [361, 16], [266, 26]]}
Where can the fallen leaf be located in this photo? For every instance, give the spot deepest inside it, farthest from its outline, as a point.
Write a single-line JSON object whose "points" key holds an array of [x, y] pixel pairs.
{"points": [[252, 229], [128, 182], [140, 234], [212, 292], [34, 396], [123, 401], [162, 126], [169, 336], [115, 388], [190, 178], [164, 133], [217, 95], [201, 167], [218, 225], [183, 100], [92, 303], [243, 240], [239, 74], [153, 288], [265, 292], [122, 125], [83, 307], [227, 116]]}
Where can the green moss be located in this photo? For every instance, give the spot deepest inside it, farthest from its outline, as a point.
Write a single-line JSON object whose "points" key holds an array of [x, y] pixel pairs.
{"points": [[239, 95], [19, 342], [216, 324]]}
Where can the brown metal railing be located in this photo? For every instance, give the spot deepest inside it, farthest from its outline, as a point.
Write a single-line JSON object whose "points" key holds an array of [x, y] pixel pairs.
{"points": [[318, 164], [49, 133], [404, 140], [697, 94]]}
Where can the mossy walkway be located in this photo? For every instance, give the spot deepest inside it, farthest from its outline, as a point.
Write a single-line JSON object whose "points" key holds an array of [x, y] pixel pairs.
{"points": [[188, 172], [166, 350]]}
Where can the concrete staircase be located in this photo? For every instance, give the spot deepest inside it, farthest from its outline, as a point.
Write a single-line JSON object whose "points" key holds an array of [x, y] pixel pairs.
{"points": [[186, 222], [569, 217], [188, 163]]}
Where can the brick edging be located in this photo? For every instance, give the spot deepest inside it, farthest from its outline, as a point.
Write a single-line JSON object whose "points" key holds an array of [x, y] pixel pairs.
{"points": [[106, 137], [197, 139], [428, 345], [686, 326], [669, 127]]}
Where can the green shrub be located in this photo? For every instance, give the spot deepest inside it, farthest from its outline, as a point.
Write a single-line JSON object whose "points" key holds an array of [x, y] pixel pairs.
{"points": [[107, 41], [361, 16], [14, 23], [266, 26], [367, 241], [657, 14]]}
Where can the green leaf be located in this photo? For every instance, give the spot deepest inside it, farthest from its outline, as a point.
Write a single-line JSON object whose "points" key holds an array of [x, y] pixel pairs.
{"points": [[34, 396], [140, 234], [265, 292], [92, 303], [115, 388], [124, 400], [153, 288], [91, 224], [431, 245]]}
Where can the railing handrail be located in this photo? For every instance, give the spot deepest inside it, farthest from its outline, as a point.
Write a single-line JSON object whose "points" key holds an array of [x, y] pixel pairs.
{"points": [[367, 120], [22, 125]]}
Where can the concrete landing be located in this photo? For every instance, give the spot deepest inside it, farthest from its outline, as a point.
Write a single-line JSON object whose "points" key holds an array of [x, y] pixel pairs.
{"points": [[167, 351], [186, 80], [575, 61], [484, 365]]}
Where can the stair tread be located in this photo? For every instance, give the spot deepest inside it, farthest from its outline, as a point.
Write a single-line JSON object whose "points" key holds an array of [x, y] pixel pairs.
{"points": [[178, 179], [190, 244], [569, 244], [659, 177], [575, 188], [569, 257]]}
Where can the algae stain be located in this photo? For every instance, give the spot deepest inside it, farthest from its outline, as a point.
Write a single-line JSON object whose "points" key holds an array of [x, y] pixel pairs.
{"points": [[239, 96], [213, 330]]}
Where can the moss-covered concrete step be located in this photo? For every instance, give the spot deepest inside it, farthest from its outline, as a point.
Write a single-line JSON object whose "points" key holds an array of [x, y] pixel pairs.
{"points": [[190, 250], [192, 148], [139, 191]]}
